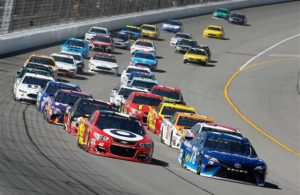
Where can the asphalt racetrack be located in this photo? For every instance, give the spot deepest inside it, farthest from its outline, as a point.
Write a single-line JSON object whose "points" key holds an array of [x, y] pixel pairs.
{"points": [[40, 158]]}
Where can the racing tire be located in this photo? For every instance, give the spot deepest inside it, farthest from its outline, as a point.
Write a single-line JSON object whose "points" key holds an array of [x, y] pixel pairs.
{"points": [[161, 136], [182, 161], [199, 165], [171, 137], [185, 61]]}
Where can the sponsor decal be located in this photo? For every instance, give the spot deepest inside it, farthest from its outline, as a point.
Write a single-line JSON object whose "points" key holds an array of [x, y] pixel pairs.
{"points": [[237, 165], [123, 135], [187, 157]]}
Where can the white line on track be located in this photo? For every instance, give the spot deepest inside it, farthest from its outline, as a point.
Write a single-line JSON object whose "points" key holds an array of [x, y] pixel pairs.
{"points": [[285, 55], [266, 50]]}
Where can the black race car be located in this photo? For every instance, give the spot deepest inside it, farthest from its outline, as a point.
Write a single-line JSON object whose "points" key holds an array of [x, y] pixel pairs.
{"points": [[184, 45], [237, 19]]}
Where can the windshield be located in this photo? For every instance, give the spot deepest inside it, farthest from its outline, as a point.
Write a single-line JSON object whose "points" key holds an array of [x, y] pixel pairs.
{"points": [[150, 101], [132, 29], [227, 144], [188, 121], [168, 94], [106, 59], [52, 88], [171, 110], [63, 59], [184, 36], [36, 71], [74, 43], [143, 84], [214, 28], [125, 92], [150, 28], [35, 81], [68, 98], [41, 60], [173, 22], [237, 16], [89, 106], [76, 57], [101, 39], [188, 42], [114, 121], [144, 44], [144, 55], [197, 51], [222, 11], [130, 70], [98, 31]]}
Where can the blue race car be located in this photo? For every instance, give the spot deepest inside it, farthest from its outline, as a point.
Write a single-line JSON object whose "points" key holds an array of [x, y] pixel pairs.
{"points": [[172, 26], [143, 83], [144, 59], [50, 90], [222, 154], [132, 32], [76, 45]]}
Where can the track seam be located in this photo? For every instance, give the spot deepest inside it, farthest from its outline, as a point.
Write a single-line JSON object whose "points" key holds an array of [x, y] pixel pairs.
{"points": [[298, 83], [51, 161]]}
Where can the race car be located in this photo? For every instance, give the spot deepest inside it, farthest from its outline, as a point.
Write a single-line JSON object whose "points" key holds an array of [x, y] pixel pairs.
{"points": [[172, 26], [44, 60], [137, 74], [56, 105], [76, 45], [24, 70], [178, 36], [79, 61], [125, 73], [150, 31], [133, 32], [174, 129], [139, 103], [143, 45], [121, 40], [221, 13], [184, 45], [205, 48], [121, 93], [143, 83], [222, 154], [236, 18], [214, 32], [195, 55], [115, 135], [27, 88], [144, 59], [49, 90], [79, 113], [164, 110], [66, 64], [102, 62], [96, 31], [103, 43], [169, 95]]}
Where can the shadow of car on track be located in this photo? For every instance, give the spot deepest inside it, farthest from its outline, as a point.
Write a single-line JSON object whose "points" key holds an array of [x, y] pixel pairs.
{"points": [[160, 71], [158, 162], [159, 57], [63, 80], [86, 73], [197, 64]]}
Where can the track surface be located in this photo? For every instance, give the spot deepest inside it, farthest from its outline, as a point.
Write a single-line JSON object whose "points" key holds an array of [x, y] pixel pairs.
{"points": [[39, 158]]}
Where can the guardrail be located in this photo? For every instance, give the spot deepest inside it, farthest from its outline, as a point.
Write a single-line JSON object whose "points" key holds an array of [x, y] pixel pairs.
{"points": [[36, 37]]}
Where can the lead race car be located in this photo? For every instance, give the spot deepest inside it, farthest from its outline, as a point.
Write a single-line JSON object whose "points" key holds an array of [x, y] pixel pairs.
{"points": [[115, 135], [218, 151]]}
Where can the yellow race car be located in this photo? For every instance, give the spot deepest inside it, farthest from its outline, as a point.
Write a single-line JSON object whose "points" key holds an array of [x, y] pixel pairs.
{"points": [[196, 55], [42, 60], [214, 32], [150, 31], [164, 110]]}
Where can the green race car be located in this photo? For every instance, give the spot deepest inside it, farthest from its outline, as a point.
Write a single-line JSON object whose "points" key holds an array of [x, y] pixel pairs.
{"points": [[221, 13]]}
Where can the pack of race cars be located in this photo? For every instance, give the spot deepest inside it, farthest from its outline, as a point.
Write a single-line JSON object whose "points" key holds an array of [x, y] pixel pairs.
{"points": [[118, 128]]}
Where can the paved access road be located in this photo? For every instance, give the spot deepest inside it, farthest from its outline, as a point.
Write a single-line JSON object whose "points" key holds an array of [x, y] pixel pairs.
{"points": [[39, 158]]}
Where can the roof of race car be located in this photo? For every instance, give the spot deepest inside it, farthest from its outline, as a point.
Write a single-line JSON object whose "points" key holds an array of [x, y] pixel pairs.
{"points": [[192, 115], [166, 88], [75, 39], [71, 53], [146, 94], [214, 26], [62, 55], [221, 127], [144, 52], [61, 83], [73, 92], [29, 74], [144, 79], [174, 105], [138, 68]]}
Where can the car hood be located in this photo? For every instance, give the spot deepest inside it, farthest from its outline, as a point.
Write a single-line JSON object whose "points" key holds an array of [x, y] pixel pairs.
{"points": [[170, 26], [213, 32], [60, 106], [63, 65], [123, 134], [143, 61], [104, 63]]}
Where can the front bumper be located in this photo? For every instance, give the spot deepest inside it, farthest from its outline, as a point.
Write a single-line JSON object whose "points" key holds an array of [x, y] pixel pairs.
{"points": [[99, 68]]}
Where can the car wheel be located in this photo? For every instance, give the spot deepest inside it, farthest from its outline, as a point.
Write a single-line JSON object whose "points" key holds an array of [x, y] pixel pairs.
{"points": [[182, 160], [170, 143], [199, 165], [161, 136], [185, 61]]}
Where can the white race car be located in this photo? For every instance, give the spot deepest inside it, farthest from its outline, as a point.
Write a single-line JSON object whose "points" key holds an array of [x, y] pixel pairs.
{"points": [[79, 61], [177, 127], [121, 93], [178, 36], [66, 64], [125, 74], [102, 62], [96, 31], [29, 86], [143, 45]]}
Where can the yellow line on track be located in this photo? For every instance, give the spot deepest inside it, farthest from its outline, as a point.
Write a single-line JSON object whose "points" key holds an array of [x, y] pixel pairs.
{"points": [[244, 117]]}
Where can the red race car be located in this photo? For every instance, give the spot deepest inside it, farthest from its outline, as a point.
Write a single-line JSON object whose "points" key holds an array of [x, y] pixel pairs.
{"points": [[82, 109], [139, 104], [103, 43], [115, 135], [170, 95]]}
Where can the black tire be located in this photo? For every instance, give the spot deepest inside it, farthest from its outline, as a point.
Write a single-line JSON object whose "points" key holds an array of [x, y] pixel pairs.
{"points": [[182, 160], [161, 136], [170, 143], [185, 61], [199, 165], [87, 145]]}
